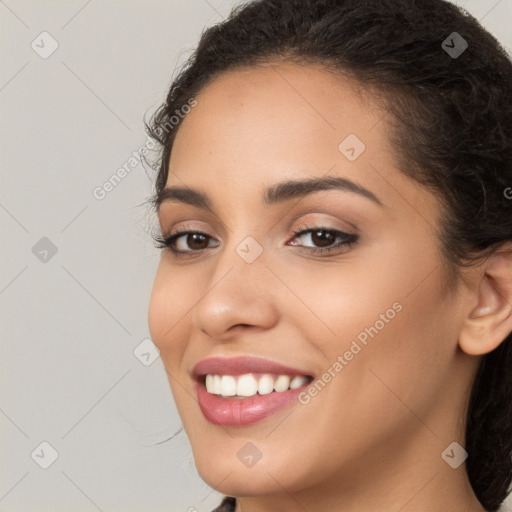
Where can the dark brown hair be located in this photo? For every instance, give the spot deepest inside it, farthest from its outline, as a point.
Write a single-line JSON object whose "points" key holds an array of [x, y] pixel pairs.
{"points": [[451, 130]]}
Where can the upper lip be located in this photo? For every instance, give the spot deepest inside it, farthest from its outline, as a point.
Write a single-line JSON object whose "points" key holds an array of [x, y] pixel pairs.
{"points": [[241, 365]]}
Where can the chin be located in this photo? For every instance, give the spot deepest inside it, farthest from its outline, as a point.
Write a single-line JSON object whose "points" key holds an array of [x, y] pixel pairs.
{"points": [[228, 475], [241, 483]]}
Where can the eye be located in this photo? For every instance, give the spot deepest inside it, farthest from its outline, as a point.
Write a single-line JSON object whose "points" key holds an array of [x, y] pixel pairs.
{"points": [[323, 239], [183, 241], [315, 240]]}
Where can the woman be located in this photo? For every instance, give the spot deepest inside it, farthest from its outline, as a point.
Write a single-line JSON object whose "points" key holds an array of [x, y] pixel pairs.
{"points": [[333, 303]]}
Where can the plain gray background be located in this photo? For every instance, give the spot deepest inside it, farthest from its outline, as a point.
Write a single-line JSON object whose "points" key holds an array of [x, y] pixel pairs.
{"points": [[72, 319]]}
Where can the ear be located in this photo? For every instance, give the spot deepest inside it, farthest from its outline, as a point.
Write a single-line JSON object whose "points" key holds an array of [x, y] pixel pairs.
{"points": [[489, 322]]}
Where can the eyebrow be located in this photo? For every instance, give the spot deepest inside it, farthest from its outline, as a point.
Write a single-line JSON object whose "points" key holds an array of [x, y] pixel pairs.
{"points": [[275, 194]]}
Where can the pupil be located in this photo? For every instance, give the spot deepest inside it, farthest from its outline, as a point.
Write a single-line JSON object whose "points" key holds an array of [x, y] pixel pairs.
{"points": [[322, 238], [196, 241]]}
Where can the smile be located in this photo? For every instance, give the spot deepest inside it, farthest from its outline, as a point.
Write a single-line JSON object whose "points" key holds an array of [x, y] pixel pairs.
{"points": [[241, 391], [250, 384]]}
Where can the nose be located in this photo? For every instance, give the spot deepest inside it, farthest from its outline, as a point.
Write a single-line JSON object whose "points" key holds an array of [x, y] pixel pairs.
{"points": [[239, 295]]}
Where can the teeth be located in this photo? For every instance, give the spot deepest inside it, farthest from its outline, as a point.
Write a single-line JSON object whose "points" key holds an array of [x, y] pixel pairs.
{"points": [[216, 384], [298, 381], [282, 383], [249, 385], [246, 385], [213, 384], [227, 385], [265, 384]]}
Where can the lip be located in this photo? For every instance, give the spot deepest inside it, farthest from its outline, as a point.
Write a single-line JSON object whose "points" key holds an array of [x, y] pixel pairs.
{"points": [[237, 412], [241, 365]]}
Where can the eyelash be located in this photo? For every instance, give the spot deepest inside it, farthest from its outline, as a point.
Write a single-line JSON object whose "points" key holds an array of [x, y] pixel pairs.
{"points": [[348, 240]]}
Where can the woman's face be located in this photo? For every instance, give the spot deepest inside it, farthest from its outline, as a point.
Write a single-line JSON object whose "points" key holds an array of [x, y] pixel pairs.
{"points": [[370, 318]]}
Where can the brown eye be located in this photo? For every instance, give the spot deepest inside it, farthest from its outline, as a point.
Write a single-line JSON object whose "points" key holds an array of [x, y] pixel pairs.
{"points": [[197, 241], [190, 242], [323, 238], [186, 242]]}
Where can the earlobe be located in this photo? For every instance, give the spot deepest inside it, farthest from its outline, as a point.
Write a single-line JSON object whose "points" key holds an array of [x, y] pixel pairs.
{"points": [[490, 321]]}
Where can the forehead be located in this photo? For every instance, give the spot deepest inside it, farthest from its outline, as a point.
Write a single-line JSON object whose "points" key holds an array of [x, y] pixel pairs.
{"points": [[256, 126], [276, 112]]}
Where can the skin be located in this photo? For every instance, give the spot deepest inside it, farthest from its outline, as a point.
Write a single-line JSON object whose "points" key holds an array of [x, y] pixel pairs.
{"points": [[372, 439]]}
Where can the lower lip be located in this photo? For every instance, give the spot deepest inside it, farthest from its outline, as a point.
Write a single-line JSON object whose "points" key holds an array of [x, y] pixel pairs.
{"points": [[236, 412]]}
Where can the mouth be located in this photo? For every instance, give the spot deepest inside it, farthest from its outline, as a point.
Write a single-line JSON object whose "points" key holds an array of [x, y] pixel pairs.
{"points": [[252, 384], [242, 391]]}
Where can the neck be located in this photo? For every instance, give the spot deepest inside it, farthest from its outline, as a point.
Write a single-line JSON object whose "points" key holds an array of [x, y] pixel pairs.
{"points": [[434, 495], [407, 481]]}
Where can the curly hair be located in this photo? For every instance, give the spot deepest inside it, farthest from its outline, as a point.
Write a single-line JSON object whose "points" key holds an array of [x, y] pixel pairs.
{"points": [[451, 128]]}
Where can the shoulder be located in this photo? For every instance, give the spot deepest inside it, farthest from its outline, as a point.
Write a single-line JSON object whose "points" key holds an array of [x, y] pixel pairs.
{"points": [[228, 505]]}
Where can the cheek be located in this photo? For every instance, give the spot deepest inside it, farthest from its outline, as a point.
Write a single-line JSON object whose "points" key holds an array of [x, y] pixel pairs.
{"points": [[167, 321], [168, 307], [158, 304], [335, 304], [391, 323], [391, 295], [396, 350]]}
